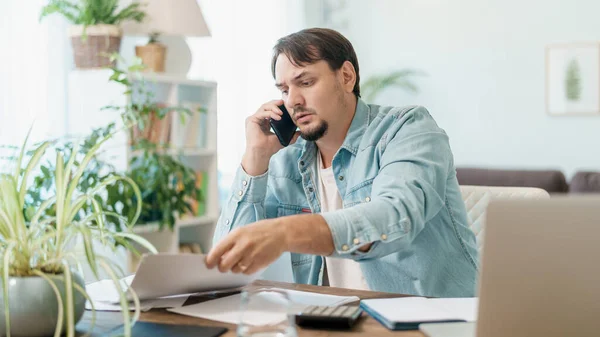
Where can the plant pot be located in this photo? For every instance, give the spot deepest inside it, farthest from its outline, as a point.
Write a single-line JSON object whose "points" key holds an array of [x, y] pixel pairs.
{"points": [[153, 56], [33, 306], [93, 45]]}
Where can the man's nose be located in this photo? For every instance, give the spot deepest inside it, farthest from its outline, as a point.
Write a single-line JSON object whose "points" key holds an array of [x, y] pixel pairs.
{"points": [[295, 98]]}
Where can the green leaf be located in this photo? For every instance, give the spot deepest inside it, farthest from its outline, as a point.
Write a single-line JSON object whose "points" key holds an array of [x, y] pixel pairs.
{"points": [[89, 300], [374, 85], [59, 321], [5, 277], [139, 240], [69, 300]]}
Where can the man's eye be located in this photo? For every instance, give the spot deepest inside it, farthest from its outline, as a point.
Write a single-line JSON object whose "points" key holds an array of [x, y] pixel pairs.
{"points": [[306, 84], [284, 92]]}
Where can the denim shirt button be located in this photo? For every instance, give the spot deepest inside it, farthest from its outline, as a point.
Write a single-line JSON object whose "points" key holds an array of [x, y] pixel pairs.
{"points": [[367, 199], [240, 192], [383, 237], [302, 163], [345, 247], [356, 241], [341, 178], [244, 182], [310, 189], [227, 222]]}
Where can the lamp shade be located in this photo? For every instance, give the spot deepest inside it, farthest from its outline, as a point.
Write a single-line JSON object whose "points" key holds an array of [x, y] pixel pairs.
{"points": [[169, 18]]}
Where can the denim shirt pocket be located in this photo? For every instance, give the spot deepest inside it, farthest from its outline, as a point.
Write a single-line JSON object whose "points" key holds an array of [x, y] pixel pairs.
{"points": [[359, 194], [284, 210], [301, 263]]}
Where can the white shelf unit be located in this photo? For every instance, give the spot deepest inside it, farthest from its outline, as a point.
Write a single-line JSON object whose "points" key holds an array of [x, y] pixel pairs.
{"points": [[173, 90]]}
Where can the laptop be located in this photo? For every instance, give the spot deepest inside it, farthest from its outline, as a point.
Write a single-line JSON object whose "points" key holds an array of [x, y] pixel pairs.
{"points": [[540, 271]]}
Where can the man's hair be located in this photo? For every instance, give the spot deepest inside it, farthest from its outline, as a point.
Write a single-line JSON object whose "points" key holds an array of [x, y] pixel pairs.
{"points": [[311, 45]]}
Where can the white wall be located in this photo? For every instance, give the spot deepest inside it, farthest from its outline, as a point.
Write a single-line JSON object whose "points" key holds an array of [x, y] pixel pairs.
{"points": [[485, 66]]}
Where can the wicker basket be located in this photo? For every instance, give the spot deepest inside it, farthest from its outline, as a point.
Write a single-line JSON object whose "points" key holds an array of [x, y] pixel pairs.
{"points": [[95, 49], [153, 56]]}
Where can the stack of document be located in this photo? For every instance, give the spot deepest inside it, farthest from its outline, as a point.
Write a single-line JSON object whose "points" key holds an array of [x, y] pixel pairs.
{"points": [[165, 281], [105, 297], [228, 309]]}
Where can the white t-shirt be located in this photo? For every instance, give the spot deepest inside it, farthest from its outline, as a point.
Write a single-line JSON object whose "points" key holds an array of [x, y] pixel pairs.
{"points": [[343, 273]]}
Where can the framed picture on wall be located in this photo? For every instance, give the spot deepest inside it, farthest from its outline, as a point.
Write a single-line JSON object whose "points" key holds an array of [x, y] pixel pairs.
{"points": [[573, 79]]}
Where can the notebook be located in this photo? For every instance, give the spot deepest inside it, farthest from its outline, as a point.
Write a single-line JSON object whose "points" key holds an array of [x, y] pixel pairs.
{"points": [[408, 312], [147, 329]]}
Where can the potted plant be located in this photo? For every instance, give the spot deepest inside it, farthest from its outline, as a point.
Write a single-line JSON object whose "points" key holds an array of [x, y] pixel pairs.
{"points": [[39, 254], [374, 85], [95, 33], [152, 54]]}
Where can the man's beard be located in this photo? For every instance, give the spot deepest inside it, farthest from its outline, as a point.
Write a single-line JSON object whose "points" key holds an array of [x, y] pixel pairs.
{"points": [[316, 133]]}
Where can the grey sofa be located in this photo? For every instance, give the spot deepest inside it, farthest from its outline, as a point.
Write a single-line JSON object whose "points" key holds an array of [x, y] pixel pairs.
{"points": [[553, 181]]}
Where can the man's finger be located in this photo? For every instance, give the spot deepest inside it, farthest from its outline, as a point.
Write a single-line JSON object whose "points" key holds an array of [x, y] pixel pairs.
{"points": [[259, 116], [253, 268], [214, 256], [230, 259], [241, 266]]}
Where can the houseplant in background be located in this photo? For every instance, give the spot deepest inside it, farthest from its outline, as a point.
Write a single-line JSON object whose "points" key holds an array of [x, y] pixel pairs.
{"points": [[40, 254], [376, 84], [96, 32], [169, 187]]}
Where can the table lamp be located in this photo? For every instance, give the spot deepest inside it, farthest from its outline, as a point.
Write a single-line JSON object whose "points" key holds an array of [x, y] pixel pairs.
{"points": [[167, 23]]}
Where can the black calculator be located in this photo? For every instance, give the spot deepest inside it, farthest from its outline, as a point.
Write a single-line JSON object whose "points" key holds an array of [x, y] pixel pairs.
{"points": [[325, 317]]}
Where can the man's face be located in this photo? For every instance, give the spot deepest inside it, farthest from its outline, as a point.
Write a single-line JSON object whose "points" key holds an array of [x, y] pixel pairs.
{"points": [[312, 93]]}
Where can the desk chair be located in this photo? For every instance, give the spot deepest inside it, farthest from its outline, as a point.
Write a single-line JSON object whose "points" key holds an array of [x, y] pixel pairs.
{"points": [[477, 198]]}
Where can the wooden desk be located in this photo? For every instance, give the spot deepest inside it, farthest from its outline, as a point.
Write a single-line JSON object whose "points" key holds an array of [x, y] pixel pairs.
{"points": [[366, 326]]}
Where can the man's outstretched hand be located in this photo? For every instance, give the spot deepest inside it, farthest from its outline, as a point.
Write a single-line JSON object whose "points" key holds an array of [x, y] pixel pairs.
{"points": [[250, 248]]}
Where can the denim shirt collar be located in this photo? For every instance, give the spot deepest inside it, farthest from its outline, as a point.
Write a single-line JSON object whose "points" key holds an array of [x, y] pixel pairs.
{"points": [[357, 128]]}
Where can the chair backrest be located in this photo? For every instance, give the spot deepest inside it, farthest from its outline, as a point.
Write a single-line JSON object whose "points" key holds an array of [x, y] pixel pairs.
{"points": [[476, 199]]}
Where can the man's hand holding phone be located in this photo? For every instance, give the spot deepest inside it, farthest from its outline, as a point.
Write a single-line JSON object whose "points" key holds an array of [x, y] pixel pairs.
{"points": [[261, 143]]}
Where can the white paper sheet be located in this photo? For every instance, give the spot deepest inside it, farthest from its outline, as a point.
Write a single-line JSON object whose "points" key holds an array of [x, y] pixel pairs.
{"points": [[227, 309], [167, 302], [164, 274], [105, 290]]}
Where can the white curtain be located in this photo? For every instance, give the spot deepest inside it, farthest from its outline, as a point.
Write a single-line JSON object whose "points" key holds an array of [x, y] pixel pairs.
{"points": [[238, 56], [32, 73]]}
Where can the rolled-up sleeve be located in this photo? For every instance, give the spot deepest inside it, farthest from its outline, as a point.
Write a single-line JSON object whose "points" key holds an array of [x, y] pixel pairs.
{"points": [[408, 191]]}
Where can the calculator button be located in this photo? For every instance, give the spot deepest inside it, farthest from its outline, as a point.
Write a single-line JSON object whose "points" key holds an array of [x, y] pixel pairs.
{"points": [[349, 312], [308, 309], [317, 311], [339, 310], [328, 311]]}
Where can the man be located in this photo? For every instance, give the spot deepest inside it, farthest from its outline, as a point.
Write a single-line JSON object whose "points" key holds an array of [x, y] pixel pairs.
{"points": [[369, 192]]}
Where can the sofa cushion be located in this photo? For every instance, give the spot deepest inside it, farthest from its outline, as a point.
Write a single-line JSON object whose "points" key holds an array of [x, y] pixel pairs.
{"points": [[585, 182], [550, 180]]}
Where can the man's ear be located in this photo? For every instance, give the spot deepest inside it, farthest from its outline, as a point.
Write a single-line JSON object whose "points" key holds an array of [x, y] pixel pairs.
{"points": [[348, 76]]}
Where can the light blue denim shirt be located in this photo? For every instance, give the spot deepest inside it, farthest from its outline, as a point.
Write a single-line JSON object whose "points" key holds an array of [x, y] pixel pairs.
{"points": [[395, 173]]}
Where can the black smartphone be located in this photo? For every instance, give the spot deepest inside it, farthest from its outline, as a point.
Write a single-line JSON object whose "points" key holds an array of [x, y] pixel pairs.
{"points": [[284, 128]]}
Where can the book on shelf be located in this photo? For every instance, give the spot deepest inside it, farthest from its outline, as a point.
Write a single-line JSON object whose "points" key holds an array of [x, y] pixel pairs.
{"points": [[190, 248], [189, 131], [199, 206], [157, 131]]}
